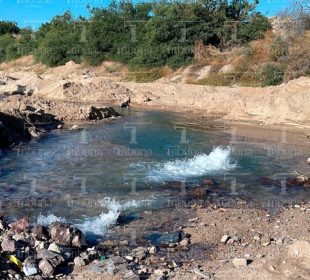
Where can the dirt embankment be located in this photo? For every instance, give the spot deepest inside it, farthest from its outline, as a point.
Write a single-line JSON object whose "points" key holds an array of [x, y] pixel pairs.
{"points": [[283, 104], [70, 93]]}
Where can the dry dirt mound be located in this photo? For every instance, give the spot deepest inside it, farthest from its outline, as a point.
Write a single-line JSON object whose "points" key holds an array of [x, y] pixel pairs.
{"points": [[273, 105]]}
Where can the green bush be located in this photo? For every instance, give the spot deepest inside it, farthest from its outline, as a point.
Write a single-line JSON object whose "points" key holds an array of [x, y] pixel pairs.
{"points": [[8, 27], [247, 50], [271, 75]]}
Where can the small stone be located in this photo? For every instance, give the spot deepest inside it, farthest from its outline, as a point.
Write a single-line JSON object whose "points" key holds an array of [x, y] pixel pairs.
{"points": [[8, 244], [54, 258], [265, 241], [152, 250], [40, 232], [139, 253], [40, 245], [46, 267], [193, 220], [225, 238], [238, 262], [247, 256], [256, 237], [232, 240], [159, 272], [129, 258], [279, 241], [78, 261], [30, 266], [204, 275], [123, 243], [20, 225], [184, 242], [54, 248]]}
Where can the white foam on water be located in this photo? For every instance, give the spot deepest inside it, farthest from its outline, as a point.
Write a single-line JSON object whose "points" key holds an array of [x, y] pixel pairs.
{"points": [[99, 224], [47, 220], [218, 160]]}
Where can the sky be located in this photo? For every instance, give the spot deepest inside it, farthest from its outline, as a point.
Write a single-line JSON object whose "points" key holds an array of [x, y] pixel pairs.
{"points": [[32, 13]]}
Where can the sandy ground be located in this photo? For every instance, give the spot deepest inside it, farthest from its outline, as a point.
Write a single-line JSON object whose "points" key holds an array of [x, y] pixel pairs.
{"points": [[283, 104]]}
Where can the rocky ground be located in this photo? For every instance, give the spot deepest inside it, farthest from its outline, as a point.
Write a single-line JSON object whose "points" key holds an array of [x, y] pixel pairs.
{"points": [[217, 242]]}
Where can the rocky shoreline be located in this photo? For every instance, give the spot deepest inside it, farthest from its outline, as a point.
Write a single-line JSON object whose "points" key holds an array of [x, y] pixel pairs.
{"points": [[24, 118], [216, 243]]}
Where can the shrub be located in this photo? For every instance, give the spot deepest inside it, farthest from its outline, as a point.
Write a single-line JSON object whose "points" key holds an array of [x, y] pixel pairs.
{"points": [[299, 58], [271, 75], [146, 75], [247, 50], [279, 49]]}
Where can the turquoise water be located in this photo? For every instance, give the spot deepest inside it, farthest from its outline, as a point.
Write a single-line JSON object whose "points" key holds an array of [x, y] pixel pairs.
{"points": [[121, 164]]}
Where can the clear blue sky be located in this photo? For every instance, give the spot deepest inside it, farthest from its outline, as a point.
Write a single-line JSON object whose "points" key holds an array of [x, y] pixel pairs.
{"points": [[34, 12]]}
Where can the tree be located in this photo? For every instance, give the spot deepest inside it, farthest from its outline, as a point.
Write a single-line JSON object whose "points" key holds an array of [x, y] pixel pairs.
{"points": [[59, 41], [8, 27]]}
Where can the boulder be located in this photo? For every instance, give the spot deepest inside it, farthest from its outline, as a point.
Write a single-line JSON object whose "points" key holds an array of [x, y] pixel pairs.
{"points": [[101, 113], [19, 125], [65, 234]]}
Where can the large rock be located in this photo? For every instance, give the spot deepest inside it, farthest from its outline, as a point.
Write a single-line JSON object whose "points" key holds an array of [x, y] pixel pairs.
{"points": [[18, 125], [101, 113], [65, 234], [167, 238]]}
